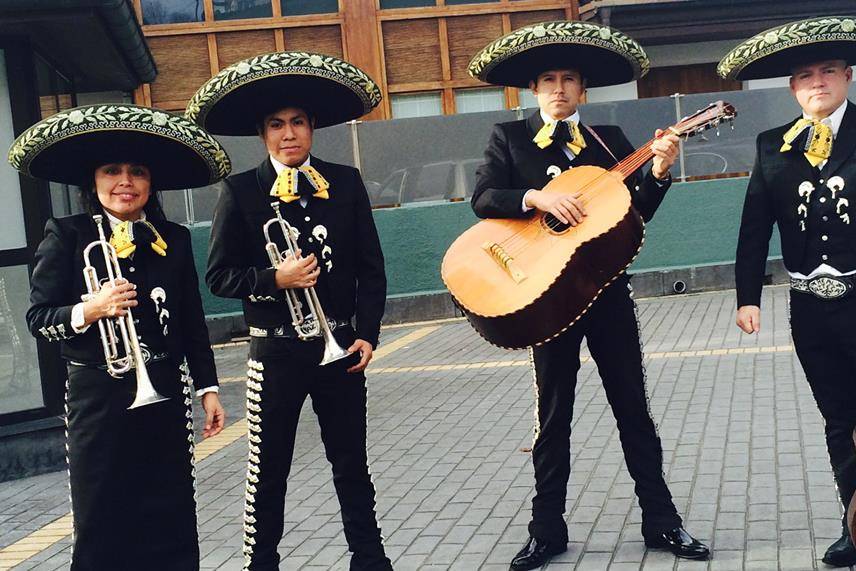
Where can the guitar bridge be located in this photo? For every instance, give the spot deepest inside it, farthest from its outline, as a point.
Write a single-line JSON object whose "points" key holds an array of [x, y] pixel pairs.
{"points": [[505, 261]]}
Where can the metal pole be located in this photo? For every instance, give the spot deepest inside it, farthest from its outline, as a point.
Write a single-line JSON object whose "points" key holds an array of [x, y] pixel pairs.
{"points": [[678, 117], [355, 143], [188, 206]]}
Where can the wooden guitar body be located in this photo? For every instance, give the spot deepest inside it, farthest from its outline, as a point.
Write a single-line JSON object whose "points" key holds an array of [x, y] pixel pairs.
{"points": [[521, 283]]}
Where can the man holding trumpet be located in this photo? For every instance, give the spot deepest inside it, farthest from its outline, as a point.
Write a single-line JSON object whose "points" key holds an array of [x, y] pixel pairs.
{"points": [[313, 307]]}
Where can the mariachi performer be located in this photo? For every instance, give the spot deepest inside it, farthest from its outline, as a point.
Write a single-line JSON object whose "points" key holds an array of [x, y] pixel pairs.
{"points": [[803, 179], [322, 298], [128, 408], [557, 61]]}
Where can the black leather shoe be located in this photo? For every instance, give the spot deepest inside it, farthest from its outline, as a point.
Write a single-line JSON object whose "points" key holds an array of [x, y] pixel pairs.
{"points": [[536, 553], [842, 553], [679, 542]]}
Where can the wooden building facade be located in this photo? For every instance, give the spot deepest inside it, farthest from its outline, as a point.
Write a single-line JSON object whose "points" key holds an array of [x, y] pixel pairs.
{"points": [[417, 50]]}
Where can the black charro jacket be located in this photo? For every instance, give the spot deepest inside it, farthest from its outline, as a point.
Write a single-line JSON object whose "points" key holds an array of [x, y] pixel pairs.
{"points": [[57, 285], [773, 197], [514, 164], [340, 231]]}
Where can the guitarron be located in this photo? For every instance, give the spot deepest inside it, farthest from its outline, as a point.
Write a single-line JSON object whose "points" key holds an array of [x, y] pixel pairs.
{"points": [[522, 282]]}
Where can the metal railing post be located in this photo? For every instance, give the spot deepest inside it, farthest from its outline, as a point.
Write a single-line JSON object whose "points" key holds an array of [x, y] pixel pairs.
{"points": [[678, 117], [355, 143]]}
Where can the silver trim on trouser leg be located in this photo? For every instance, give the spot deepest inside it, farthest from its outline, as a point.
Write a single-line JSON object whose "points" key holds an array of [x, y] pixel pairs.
{"points": [[187, 390], [68, 464], [255, 378], [642, 359], [536, 430]]}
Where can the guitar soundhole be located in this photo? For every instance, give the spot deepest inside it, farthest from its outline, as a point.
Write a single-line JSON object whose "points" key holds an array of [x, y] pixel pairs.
{"points": [[553, 224]]}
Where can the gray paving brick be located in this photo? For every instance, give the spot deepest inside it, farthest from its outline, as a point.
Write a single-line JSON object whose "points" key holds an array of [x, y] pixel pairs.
{"points": [[449, 453]]}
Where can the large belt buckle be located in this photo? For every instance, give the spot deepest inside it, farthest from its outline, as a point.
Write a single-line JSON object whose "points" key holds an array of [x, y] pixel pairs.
{"points": [[827, 287]]}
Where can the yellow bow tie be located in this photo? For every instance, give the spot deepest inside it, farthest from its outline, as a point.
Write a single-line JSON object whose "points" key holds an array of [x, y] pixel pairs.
{"points": [[819, 142], [286, 186], [544, 138], [122, 239]]}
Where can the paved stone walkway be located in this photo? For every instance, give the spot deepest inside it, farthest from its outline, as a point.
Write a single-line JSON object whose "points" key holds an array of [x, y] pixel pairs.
{"points": [[450, 426]]}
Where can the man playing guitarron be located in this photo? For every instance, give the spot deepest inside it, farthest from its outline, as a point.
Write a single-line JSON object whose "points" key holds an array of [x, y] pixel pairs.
{"points": [[557, 61]]}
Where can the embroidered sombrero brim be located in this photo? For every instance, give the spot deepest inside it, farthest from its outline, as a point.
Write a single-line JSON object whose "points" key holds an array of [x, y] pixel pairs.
{"points": [[775, 52], [603, 55], [69, 146], [236, 99]]}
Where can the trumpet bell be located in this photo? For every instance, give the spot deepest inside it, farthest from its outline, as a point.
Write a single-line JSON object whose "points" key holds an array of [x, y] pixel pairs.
{"points": [[332, 353], [145, 399], [146, 393]]}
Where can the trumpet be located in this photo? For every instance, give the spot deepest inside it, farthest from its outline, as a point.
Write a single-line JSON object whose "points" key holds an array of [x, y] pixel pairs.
{"points": [[314, 322], [132, 357]]}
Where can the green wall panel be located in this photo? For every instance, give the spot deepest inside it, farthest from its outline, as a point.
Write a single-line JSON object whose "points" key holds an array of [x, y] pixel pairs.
{"points": [[697, 224]]}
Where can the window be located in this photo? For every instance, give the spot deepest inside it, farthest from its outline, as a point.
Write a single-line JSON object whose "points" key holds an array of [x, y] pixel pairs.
{"points": [[527, 99], [20, 381], [299, 7], [475, 100], [20, 378], [416, 105], [12, 234], [384, 4], [240, 9], [172, 11]]}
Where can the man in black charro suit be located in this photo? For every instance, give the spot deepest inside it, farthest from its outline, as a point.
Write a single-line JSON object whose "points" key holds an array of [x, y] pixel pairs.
{"points": [[520, 159], [290, 96], [803, 181]]}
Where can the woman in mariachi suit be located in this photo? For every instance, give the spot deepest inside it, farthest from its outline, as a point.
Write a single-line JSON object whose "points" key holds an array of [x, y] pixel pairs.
{"points": [[131, 470]]}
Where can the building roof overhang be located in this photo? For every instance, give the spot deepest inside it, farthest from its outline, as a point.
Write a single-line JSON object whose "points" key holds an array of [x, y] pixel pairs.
{"points": [[659, 22], [97, 43]]}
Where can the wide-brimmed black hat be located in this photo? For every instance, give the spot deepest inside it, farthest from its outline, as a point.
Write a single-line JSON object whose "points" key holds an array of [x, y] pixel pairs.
{"points": [[775, 52], [603, 55], [331, 90], [67, 147]]}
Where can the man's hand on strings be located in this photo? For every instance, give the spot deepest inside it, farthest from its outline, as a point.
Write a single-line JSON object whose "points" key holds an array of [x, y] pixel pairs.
{"points": [[568, 208]]}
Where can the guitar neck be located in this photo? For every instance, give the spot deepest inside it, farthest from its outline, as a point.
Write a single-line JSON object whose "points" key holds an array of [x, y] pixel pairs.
{"points": [[635, 160]]}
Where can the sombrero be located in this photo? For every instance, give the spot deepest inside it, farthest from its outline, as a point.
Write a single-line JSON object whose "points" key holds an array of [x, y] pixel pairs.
{"points": [[775, 52], [603, 55], [331, 90], [67, 147]]}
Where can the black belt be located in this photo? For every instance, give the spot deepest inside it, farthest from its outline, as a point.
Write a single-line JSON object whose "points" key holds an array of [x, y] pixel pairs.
{"points": [[288, 332], [825, 286]]}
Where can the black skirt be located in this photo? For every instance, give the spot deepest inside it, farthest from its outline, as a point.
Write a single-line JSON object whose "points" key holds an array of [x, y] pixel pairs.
{"points": [[131, 472]]}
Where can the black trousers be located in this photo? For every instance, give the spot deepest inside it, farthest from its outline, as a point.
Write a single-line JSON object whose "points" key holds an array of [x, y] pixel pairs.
{"points": [[825, 342], [282, 373], [612, 332], [131, 473]]}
